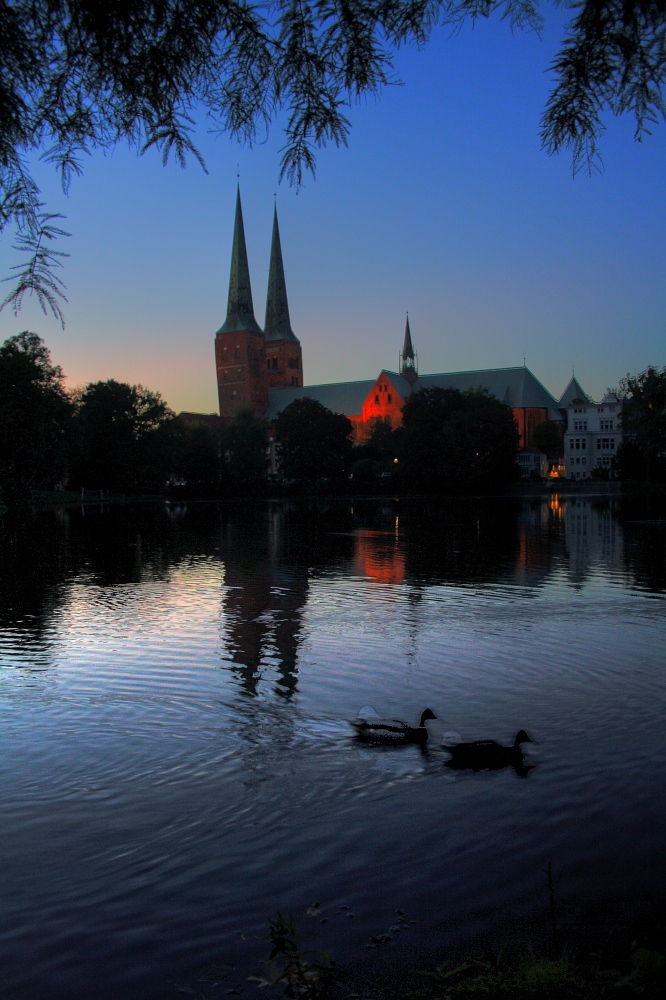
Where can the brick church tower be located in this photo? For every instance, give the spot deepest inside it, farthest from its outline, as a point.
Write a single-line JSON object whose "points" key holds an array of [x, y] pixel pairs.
{"points": [[249, 362]]}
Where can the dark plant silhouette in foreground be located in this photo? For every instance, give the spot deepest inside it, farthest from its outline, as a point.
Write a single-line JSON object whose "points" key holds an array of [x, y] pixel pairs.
{"points": [[311, 979]]}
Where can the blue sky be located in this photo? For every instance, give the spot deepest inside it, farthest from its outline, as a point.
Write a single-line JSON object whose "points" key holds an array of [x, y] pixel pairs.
{"points": [[443, 203]]}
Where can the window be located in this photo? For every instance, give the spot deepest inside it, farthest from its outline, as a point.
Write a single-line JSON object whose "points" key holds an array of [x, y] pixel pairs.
{"points": [[598, 444], [275, 362], [294, 380], [612, 444], [389, 397], [583, 461], [600, 409], [580, 425], [376, 399], [268, 363], [606, 425], [237, 351], [224, 352], [571, 443]]}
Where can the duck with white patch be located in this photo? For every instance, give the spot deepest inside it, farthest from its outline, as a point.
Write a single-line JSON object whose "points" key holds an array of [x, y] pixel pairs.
{"points": [[371, 728]]}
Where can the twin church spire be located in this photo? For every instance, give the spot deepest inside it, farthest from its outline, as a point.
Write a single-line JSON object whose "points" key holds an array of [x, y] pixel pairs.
{"points": [[240, 309], [251, 361]]}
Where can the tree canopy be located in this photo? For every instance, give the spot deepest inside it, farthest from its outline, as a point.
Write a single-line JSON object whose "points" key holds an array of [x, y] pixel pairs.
{"points": [[456, 440], [35, 416], [244, 443], [80, 75], [644, 424], [122, 444], [547, 437], [313, 443]]}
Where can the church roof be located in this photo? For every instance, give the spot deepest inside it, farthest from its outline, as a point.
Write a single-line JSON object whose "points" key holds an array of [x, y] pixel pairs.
{"points": [[340, 397], [517, 387], [574, 390], [240, 311], [277, 325]]}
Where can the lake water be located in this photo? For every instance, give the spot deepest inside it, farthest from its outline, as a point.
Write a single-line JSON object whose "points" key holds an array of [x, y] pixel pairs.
{"points": [[176, 761]]}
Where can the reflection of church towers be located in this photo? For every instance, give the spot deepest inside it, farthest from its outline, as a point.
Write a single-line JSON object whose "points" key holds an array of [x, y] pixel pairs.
{"points": [[263, 606], [248, 360]]}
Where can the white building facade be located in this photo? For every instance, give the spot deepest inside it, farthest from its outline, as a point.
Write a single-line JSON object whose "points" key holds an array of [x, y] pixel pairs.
{"points": [[593, 435]]}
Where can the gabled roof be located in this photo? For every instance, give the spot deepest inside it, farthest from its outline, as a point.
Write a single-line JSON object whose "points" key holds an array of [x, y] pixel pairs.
{"points": [[277, 325], [240, 311], [574, 390], [517, 387]]}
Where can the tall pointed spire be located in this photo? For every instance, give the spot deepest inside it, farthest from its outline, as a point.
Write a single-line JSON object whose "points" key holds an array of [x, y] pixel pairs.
{"points": [[407, 347], [277, 325], [408, 357], [240, 311]]}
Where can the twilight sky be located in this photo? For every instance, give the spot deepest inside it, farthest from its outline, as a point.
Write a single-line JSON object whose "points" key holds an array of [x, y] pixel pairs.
{"points": [[443, 204]]}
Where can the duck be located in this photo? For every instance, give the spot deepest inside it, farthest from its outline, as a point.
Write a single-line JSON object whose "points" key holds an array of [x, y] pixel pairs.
{"points": [[372, 729], [488, 755]]}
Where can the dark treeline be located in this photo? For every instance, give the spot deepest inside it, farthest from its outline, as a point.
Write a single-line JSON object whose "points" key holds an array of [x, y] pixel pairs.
{"points": [[124, 440], [642, 456]]}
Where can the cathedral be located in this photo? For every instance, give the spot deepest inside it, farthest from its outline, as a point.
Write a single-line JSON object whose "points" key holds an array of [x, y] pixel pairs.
{"points": [[251, 361], [263, 369]]}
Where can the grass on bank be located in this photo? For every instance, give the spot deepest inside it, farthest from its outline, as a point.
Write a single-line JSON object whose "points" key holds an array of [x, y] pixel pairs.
{"points": [[592, 964]]}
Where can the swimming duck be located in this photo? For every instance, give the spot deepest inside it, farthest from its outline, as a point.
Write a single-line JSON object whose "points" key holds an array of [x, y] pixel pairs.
{"points": [[373, 729], [488, 755]]}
